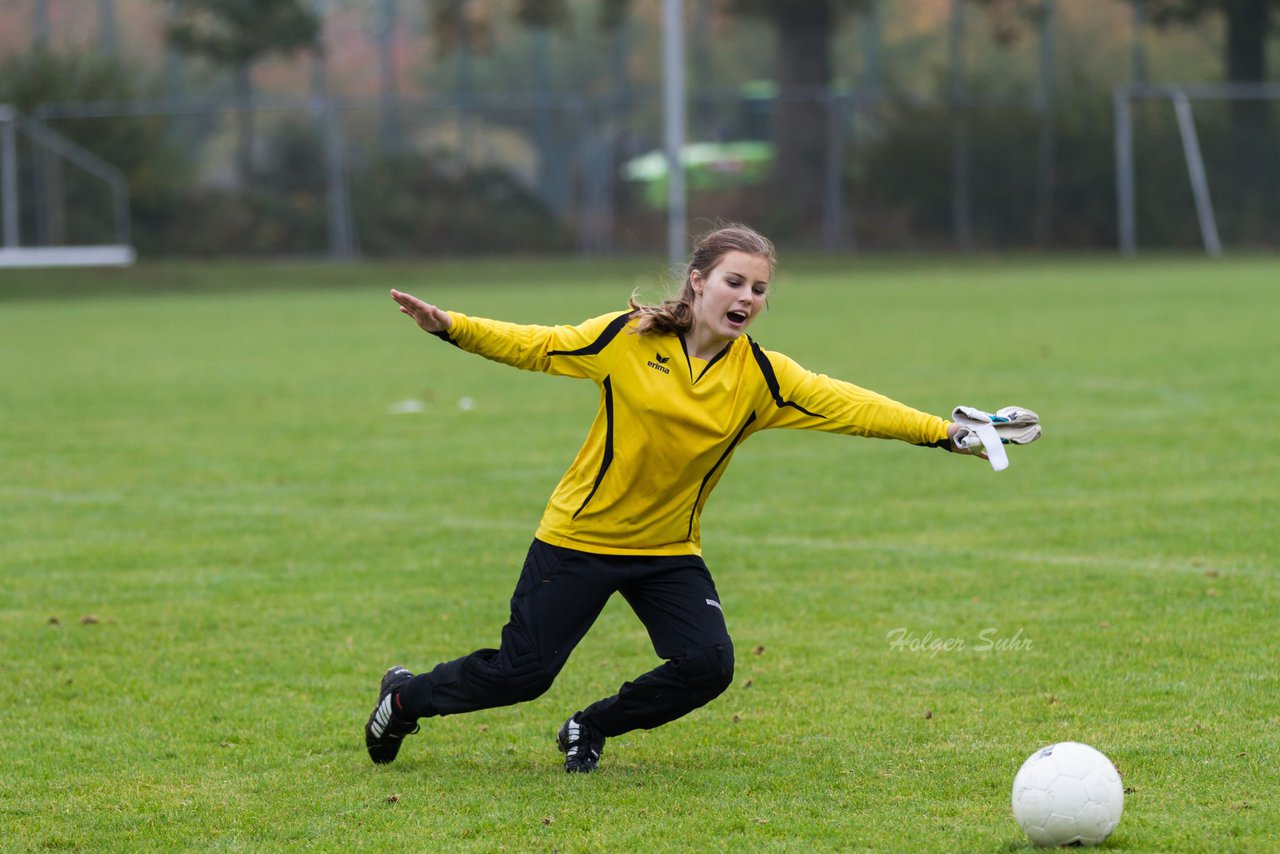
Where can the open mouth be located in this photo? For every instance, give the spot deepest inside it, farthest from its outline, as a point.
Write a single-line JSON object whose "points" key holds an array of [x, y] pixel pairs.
{"points": [[737, 318]]}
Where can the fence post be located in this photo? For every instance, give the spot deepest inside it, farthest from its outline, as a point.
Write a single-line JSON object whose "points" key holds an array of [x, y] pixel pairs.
{"points": [[1125, 193], [1047, 142], [9, 173], [673, 104], [342, 244], [833, 212], [961, 150]]}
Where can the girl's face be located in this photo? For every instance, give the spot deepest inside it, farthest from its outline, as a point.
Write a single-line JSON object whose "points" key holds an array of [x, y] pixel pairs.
{"points": [[729, 296]]}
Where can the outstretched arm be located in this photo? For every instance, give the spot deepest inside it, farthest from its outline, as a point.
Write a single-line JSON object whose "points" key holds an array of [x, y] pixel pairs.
{"points": [[426, 315], [568, 351], [805, 400]]}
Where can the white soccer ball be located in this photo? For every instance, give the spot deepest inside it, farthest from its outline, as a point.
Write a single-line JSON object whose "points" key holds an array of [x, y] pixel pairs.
{"points": [[1068, 794]]}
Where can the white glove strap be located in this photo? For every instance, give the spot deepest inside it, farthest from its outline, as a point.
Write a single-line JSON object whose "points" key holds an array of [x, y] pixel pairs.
{"points": [[993, 446], [976, 424]]}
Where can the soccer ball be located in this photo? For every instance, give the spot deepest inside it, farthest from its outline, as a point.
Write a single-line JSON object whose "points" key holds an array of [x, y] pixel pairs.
{"points": [[1067, 794]]}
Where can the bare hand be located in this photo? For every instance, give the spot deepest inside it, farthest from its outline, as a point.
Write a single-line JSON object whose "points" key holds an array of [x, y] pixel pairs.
{"points": [[426, 315]]}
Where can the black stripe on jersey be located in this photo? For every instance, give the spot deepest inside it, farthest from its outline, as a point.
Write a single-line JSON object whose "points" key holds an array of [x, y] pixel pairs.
{"points": [[444, 336], [610, 332], [703, 487], [688, 361], [771, 380], [608, 443]]}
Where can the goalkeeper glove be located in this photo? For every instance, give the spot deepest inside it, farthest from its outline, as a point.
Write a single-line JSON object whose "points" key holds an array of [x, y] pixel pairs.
{"points": [[1012, 425]]}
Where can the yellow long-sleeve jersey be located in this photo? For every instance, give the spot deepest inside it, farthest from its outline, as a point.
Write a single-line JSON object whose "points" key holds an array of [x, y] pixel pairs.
{"points": [[668, 424]]}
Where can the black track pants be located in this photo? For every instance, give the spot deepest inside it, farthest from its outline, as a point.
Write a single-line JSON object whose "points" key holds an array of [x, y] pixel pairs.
{"points": [[559, 595]]}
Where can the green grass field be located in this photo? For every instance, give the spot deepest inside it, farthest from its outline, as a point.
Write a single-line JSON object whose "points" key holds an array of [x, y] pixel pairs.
{"points": [[215, 534]]}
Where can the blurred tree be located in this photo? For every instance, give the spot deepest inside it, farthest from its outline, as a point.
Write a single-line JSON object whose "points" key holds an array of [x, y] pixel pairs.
{"points": [[174, 70], [804, 30], [388, 78], [1137, 42], [1249, 24], [464, 28], [236, 34], [108, 36], [1009, 21], [542, 13], [460, 26], [40, 25], [541, 17], [613, 13]]}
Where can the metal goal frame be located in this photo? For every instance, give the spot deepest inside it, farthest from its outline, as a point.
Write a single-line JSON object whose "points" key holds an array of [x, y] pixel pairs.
{"points": [[12, 252], [1181, 97]]}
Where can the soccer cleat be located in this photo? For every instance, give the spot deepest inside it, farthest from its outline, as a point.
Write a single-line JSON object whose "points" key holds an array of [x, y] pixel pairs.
{"points": [[581, 744], [385, 729]]}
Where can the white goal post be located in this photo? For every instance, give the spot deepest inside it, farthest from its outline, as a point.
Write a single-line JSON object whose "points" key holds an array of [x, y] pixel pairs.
{"points": [[1181, 97], [12, 252]]}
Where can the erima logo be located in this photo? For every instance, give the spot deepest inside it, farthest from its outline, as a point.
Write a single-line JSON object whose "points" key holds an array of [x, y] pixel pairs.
{"points": [[660, 365]]}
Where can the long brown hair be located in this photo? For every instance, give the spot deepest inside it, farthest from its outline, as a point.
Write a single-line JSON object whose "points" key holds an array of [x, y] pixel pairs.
{"points": [[675, 314]]}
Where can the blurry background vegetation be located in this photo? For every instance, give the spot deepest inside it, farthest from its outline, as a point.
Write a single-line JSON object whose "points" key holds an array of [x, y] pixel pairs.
{"points": [[466, 126]]}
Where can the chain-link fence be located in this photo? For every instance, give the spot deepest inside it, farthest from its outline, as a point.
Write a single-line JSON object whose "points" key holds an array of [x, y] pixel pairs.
{"points": [[568, 174], [908, 148]]}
